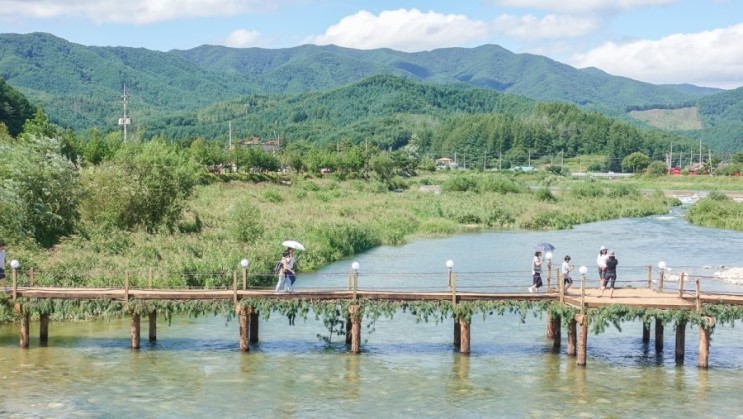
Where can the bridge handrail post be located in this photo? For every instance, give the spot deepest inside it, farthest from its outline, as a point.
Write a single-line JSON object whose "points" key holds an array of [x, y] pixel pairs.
{"points": [[234, 286], [561, 286], [681, 284], [453, 289], [15, 283], [662, 275], [126, 286], [549, 274], [355, 283], [698, 296], [583, 294], [31, 277], [650, 276]]}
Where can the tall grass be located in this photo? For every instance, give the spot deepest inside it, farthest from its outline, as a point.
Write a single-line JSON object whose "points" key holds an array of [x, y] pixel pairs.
{"points": [[334, 220]]}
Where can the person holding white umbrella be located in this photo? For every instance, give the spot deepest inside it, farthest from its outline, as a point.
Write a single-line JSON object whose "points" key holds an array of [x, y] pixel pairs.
{"points": [[288, 261]]}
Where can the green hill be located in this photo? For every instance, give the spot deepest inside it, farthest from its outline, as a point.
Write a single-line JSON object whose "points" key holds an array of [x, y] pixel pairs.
{"points": [[196, 92]]}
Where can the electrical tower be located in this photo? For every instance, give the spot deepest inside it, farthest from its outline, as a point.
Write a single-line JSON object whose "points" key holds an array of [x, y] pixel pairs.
{"points": [[125, 121]]}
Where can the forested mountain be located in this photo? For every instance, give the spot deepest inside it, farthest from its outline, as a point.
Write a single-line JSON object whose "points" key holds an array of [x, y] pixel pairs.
{"points": [[722, 115], [14, 108], [197, 92]]}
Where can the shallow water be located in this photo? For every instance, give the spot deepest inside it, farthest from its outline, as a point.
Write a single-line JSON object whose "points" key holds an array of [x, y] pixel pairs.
{"points": [[406, 368]]}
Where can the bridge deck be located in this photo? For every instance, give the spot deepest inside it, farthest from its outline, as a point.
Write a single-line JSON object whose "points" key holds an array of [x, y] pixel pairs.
{"points": [[633, 297]]}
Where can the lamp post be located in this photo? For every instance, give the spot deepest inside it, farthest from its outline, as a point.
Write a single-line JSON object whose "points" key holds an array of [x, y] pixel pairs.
{"points": [[449, 266], [662, 267], [583, 270], [548, 258], [14, 264], [355, 266], [245, 263]]}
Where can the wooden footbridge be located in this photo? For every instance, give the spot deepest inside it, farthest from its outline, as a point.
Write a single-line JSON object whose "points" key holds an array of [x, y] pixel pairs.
{"points": [[652, 296]]}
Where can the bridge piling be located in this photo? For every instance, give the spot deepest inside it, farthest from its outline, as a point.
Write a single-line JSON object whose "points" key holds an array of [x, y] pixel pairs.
{"points": [[556, 332], [571, 337], [244, 326], [253, 324], [645, 332], [457, 333], [355, 312], [44, 329], [680, 341], [135, 329], [153, 326], [704, 333], [658, 335], [582, 320], [25, 320], [464, 330]]}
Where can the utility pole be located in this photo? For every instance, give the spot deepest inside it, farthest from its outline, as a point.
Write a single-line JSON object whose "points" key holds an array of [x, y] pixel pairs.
{"points": [[229, 145], [125, 121]]}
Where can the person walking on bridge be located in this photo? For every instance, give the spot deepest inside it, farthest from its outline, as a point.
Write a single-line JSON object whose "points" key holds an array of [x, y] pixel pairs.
{"points": [[601, 263], [536, 272], [611, 274]]}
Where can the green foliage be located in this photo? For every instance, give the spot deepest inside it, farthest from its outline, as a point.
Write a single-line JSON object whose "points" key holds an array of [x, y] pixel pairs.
{"points": [[144, 186], [635, 162], [40, 190], [717, 210], [245, 221], [544, 194], [14, 109], [657, 168]]}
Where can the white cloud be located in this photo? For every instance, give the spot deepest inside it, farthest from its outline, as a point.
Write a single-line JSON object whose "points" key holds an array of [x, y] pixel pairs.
{"points": [[582, 6], [548, 27], [403, 30], [242, 38], [711, 58], [131, 11]]}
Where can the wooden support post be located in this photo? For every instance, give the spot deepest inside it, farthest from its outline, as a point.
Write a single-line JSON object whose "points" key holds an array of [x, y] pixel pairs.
{"points": [[43, 329], [658, 335], [135, 331], [645, 332], [681, 284], [698, 296], [572, 338], [31, 277], [244, 323], [583, 341], [464, 345], [349, 329], [680, 341], [550, 326], [153, 326], [355, 312], [149, 277], [457, 333], [254, 316], [25, 320], [704, 332], [556, 333], [650, 276], [549, 275], [662, 277], [245, 279]]}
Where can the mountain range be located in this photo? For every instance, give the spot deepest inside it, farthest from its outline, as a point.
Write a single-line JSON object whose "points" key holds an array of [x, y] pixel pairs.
{"points": [[80, 87]]}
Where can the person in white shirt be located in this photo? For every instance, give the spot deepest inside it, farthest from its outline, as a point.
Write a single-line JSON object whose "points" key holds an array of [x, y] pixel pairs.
{"points": [[601, 263]]}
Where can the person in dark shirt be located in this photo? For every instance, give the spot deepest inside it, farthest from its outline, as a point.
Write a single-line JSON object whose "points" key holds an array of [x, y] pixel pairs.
{"points": [[611, 274]]}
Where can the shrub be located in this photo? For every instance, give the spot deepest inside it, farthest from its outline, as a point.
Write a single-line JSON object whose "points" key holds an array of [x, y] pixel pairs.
{"points": [[245, 222]]}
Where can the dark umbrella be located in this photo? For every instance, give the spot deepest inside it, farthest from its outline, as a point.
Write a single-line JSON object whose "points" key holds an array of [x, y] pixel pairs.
{"points": [[544, 247]]}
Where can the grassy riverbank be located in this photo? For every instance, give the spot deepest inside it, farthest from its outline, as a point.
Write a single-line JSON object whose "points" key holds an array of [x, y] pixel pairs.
{"points": [[226, 222]]}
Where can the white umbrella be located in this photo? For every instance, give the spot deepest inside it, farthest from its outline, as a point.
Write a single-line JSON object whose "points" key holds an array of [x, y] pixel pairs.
{"points": [[293, 244]]}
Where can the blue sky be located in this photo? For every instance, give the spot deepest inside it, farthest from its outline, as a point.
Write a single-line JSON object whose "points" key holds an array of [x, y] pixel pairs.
{"points": [[658, 41]]}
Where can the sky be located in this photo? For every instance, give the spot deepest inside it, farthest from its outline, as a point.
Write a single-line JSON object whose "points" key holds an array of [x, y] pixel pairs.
{"points": [[657, 41]]}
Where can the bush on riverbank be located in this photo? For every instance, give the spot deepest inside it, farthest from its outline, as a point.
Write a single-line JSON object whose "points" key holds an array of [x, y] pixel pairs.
{"points": [[717, 210]]}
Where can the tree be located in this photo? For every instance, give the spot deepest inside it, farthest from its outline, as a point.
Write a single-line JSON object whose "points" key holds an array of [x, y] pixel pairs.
{"points": [[143, 186], [39, 192], [635, 162], [657, 168]]}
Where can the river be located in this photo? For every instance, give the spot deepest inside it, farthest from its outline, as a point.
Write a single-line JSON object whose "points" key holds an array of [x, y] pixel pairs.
{"points": [[406, 368]]}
